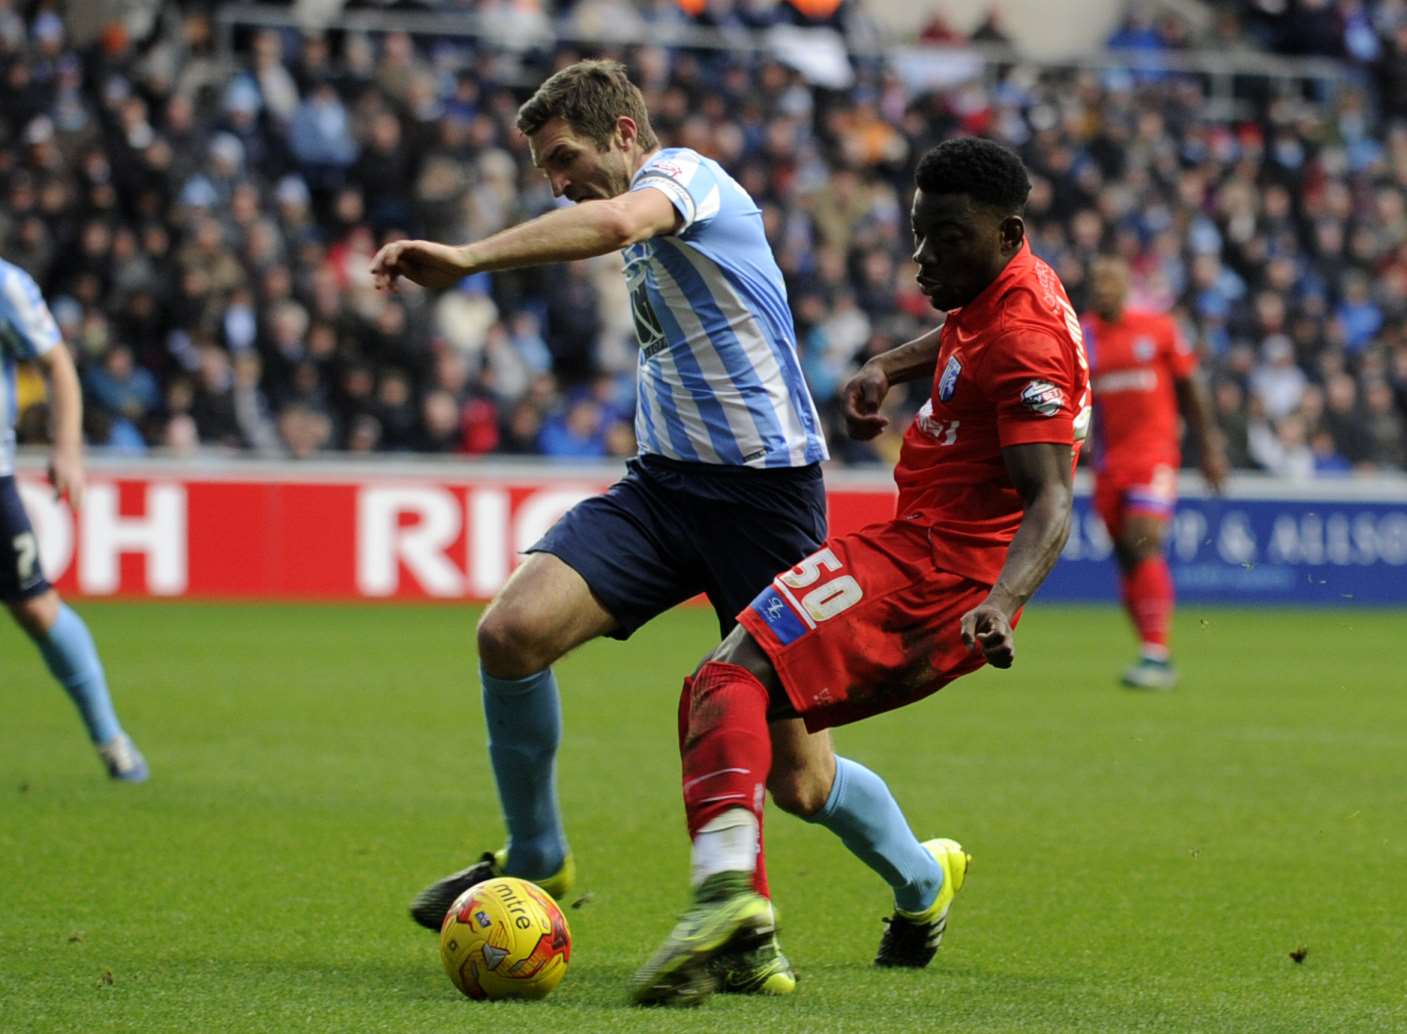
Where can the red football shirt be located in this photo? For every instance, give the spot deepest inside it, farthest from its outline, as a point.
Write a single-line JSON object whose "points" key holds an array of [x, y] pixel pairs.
{"points": [[1136, 363], [1011, 371]]}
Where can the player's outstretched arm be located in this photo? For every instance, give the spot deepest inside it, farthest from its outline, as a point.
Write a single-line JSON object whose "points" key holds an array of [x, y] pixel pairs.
{"points": [[1041, 473], [563, 235], [66, 413], [864, 392], [1195, 403]]}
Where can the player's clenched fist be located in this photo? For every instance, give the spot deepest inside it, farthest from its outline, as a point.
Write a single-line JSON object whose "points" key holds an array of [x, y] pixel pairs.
{"points": [[426, 263], [863, 393], [985, 626]]}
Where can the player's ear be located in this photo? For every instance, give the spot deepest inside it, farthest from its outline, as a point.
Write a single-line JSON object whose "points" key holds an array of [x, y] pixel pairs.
{"points": [[1013, 231], [626, 131]]}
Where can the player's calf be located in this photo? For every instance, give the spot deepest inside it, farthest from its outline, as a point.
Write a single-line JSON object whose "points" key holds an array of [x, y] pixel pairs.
{"points": [[70, 654], [1146, 588]]}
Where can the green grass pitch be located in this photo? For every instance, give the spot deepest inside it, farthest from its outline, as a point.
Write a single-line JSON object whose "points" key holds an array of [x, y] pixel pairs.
{"points": [[1143, 862]]}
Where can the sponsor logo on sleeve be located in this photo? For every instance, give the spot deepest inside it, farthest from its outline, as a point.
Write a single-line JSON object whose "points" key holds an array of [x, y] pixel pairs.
{"points": [[671, 169], [1043, 398]]}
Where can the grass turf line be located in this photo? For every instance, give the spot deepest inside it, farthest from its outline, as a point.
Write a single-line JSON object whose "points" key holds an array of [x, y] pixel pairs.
{"points": [[1144, 862]]}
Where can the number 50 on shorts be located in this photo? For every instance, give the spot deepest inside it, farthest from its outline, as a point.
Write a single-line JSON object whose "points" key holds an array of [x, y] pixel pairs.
{"points": [[835, 592]]}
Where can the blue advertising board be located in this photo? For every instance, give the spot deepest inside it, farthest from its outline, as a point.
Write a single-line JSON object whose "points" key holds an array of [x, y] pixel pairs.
{"points": [[1323, 544]]}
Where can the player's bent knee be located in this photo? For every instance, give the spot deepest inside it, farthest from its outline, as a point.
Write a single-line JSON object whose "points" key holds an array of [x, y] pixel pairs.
{"points": [[741, 649], [799, 792], [1143, 533], [512, 645], [37, 614]]}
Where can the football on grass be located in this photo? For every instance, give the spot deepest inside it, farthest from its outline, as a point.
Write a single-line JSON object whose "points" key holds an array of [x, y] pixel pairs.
{"points": [[505, 938]]}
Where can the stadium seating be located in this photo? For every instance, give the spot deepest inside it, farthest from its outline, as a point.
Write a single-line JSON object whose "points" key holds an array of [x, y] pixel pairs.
{"points": [[203, 232]]}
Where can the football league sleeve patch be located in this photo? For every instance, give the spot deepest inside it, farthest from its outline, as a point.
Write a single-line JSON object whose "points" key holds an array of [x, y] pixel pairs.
{"points": [[1030, 378], [691, 188]]}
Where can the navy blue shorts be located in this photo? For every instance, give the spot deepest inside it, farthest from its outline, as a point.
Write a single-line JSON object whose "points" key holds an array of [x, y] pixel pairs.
{"points": [[669, 530], [21, 576]]}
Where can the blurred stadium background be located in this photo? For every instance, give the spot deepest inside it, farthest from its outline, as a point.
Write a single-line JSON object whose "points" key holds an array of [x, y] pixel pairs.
{"points": [[198, 189]]}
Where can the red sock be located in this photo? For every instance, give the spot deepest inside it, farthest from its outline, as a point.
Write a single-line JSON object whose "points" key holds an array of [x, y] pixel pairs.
{"points": [[726, 748], [1148, 597]]}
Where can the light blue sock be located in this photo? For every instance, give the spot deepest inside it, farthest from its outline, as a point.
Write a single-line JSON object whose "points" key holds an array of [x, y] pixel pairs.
{"points": [[524, 719], [863, 813], [73, 659]]}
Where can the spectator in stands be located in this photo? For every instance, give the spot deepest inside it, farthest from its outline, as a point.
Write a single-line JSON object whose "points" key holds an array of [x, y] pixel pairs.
{"points": [[125, 391], [1383, 422], [1278, 383], [320, 136], [577, 432], [305, 432], [1229, 403], [1343, 422]]}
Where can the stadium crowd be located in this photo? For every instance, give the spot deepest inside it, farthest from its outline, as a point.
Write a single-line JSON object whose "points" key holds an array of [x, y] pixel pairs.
{"points": [[203, 233]]}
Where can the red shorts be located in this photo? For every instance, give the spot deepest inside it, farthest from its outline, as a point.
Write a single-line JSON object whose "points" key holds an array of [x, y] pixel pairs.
{"points": [[865, 624], [1146, 491]]}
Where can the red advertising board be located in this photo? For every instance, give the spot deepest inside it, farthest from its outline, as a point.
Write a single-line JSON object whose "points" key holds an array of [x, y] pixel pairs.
{"points": [[312, 533]]}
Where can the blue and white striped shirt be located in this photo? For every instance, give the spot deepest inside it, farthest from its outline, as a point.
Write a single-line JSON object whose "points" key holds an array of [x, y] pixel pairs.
{"points": [[27, 331], [719, 378]]}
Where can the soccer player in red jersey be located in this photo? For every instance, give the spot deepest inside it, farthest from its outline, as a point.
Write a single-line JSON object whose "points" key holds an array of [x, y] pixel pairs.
{"points": [[1143, 375], [890, 614]]}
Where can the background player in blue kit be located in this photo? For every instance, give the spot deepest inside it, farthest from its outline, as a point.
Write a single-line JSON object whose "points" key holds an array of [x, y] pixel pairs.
{"points": [[726, 491], [28, 332]]}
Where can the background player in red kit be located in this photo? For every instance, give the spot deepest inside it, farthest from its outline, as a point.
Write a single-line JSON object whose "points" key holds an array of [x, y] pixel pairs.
{"points": [[888, 615], [1143, 374]]}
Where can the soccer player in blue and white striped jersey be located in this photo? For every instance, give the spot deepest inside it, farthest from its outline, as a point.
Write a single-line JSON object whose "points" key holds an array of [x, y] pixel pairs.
{"points": [[719, 380], [725, 492], [28, 333]]}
